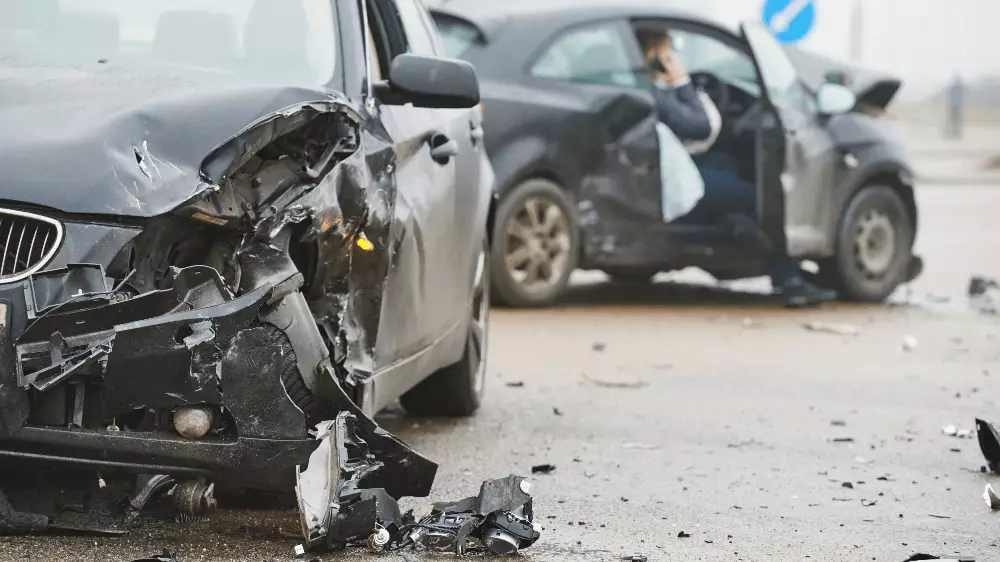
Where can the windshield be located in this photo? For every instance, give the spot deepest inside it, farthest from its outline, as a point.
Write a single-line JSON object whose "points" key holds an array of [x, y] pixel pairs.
{"points": [[458, 35], [269, 40]]}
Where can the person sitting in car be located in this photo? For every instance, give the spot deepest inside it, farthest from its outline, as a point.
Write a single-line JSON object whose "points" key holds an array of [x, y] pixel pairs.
{"points": [[728, 198]]}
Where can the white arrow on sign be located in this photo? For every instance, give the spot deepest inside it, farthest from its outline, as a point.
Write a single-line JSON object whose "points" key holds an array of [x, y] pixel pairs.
{"points": [[784, 18]]}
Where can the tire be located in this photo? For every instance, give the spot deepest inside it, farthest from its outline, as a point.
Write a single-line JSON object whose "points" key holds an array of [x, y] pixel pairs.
{"points": [[560, 248], [631, 276], [457, 390], [871, 275], [291, 378]]}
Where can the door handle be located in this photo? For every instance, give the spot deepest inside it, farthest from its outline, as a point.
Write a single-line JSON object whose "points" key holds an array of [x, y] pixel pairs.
{"points": [[476, 133], [443, 149]]}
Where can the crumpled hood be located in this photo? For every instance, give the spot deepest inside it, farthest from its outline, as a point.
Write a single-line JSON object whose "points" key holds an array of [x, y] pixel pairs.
{"points": [[874, 90], [115, 139]]}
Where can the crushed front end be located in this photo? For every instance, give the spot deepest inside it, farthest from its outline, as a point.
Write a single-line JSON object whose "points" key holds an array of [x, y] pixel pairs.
{"points": [[202, 343]]}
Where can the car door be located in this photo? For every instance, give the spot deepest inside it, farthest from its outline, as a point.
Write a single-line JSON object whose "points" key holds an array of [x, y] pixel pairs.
{"points": [[612, 130], [796, 156], [423, 298]]}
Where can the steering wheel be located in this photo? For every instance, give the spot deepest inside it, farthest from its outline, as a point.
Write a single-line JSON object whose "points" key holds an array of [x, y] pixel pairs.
{"points": [[715, 88]]}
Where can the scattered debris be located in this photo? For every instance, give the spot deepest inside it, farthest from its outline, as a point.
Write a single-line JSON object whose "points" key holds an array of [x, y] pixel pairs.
{"points": [[599, 346], [515, 384], [543, 469], [842, 499], [979, 295], [991, 498], [838, 423], [683, 535], [989, 444], [952, 431], [635, 558], [848, 485], [868, 503], [939, 516], [843, 440], [336, 511], [640, 446], [909, 343], [917, 557], [836, 329], [615, 384], [557, 411]]}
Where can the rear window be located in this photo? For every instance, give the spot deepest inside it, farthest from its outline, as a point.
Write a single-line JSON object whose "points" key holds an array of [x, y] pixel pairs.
{"points": [[458, 35]]}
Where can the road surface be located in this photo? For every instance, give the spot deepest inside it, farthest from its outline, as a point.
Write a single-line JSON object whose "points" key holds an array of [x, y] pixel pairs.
{"points": [[710, 412]]}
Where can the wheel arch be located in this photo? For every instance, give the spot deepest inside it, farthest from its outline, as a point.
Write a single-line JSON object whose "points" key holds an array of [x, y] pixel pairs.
{"points": [[893, 174]]}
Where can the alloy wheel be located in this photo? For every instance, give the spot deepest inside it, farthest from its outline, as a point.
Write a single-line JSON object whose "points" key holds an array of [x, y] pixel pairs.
{"points": [[537, 245]]}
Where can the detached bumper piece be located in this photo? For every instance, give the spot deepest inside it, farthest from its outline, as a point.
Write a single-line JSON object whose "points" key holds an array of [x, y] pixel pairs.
{"points": [[337, 510]]}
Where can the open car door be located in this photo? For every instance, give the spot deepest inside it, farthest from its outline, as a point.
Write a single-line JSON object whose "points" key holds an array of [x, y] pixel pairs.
{"points": [[780, 80]]}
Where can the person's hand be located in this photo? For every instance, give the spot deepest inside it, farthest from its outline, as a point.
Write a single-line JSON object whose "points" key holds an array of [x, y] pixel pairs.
{"points": [[676, 73]]}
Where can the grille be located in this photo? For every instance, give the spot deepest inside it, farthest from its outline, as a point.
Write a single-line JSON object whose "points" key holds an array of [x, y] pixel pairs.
{"points": [[29, 242]]}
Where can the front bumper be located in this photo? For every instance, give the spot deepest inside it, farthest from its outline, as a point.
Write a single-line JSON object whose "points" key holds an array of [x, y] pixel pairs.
{"points": [[86, 367]]}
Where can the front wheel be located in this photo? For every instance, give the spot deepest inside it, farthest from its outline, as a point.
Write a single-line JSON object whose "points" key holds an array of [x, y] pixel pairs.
{"points": [[874, 245], [457, 390], [535, 245]]}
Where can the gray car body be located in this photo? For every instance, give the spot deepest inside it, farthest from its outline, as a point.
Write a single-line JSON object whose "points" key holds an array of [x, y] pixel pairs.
{"points": [[110, 150], [562, 132]]}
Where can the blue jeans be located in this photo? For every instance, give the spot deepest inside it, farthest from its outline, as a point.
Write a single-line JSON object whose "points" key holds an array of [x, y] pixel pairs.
{"points": [[727, 194]]}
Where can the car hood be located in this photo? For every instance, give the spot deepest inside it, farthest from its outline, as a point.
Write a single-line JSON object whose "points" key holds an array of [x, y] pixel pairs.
{"points": [[874, 90], [116, 139]]}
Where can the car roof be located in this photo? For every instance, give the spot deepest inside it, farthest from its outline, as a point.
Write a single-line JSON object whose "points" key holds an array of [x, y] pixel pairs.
{"points": [[489, 17]]}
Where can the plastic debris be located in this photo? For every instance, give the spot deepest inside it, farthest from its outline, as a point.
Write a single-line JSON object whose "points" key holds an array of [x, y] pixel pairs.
{"points": [[991, 498], [989, 444], [909, 343], [952, 431], [543, 469]]}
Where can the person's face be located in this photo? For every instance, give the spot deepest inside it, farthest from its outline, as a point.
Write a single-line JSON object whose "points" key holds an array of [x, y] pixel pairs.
{"points": [[661, 51]]}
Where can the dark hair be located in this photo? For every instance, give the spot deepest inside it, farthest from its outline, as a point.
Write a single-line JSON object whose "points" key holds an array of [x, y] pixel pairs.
{"points": [[651, 38]]}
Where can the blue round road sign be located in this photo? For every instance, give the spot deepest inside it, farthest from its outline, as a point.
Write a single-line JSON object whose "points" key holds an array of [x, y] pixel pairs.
{"points": [[789, 20]]}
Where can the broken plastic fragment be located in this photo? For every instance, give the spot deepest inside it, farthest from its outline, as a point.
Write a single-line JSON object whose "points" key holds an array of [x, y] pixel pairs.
{"points": [[989, 444], [991, 498]]}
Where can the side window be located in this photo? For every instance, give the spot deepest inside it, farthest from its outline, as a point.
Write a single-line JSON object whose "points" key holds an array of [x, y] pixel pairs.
{"points": [[418, 37], [780, 76], [703, 53], [595, 54]]}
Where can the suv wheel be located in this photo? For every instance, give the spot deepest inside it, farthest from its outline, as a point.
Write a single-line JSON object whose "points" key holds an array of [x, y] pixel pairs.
{"points": [[457, 390], [535, 245], [874, 245]]}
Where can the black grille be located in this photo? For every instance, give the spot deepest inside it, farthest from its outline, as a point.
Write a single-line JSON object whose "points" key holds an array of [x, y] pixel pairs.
{"points": [[28, 241]]}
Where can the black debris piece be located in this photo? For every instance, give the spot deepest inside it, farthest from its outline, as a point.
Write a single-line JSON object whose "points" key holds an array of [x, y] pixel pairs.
{"points": [[337, 510], [683, 535], [868, 503], [917, 557], [516, 384], [935, 516], [635, 558], [625, 499], [989, 444], [842, 499], [557, 411], [955, 450], [848, 485], [838, 423], [979, 286], [543, 469], [843, 440], [599, 346]]}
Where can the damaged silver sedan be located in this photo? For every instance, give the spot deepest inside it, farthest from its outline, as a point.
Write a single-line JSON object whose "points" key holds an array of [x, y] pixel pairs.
{"points": [[226, 225]]}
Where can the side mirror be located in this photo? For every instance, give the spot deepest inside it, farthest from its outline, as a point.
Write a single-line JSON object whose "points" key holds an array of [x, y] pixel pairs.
{"points": [[430, 82], [834, 99]]}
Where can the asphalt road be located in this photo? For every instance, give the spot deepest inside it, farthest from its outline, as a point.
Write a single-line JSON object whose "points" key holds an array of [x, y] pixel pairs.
{"points": [[679, 407]]}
